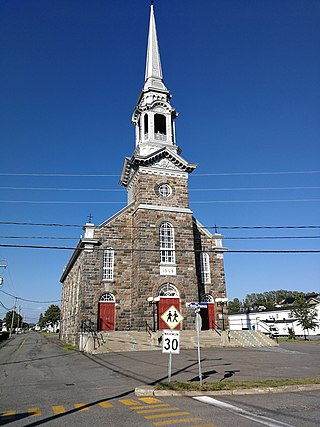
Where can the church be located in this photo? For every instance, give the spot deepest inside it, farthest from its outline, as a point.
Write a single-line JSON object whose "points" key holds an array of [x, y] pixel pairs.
{"points": [[153, 254]]}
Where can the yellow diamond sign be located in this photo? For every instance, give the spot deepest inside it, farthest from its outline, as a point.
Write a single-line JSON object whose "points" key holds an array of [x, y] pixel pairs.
{"points": [[172, 317]]}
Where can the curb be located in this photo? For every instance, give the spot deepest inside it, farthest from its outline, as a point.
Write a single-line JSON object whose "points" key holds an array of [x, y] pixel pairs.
{"points": [[149, 391]]}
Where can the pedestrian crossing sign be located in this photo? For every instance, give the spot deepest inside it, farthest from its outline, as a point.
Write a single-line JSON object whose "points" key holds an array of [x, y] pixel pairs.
{"points": [[172, 317]]}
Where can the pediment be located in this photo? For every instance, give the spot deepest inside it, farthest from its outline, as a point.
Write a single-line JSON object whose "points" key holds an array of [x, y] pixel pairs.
{"points": [[164, 159]]}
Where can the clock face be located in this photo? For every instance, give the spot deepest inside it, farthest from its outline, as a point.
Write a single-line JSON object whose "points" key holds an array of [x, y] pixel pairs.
{"points": [[164, 190]]}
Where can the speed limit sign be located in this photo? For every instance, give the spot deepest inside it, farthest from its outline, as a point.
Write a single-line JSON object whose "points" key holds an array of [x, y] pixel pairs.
{"points": [[171, 342]]}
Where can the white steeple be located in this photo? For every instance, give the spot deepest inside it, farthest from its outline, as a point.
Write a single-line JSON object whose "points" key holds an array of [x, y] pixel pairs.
{"points": [[153, 76], [154, 116]]}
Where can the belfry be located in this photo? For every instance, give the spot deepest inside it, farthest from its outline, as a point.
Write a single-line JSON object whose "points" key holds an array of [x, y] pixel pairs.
{"points": [[153, 254]]}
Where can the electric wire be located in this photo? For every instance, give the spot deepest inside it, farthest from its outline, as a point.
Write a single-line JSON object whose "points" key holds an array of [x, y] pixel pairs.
{"points": [[191, 189], [142, 238], [215, 226], [100, 202], [130, 250], [196, 174], [28, 300]]}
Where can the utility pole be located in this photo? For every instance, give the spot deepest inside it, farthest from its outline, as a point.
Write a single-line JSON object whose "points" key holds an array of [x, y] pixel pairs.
{"points": [[12, 318], [3, 264]]}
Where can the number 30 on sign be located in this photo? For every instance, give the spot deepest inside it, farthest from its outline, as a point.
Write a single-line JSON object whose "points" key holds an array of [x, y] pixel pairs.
{"points": [[171, 342]]}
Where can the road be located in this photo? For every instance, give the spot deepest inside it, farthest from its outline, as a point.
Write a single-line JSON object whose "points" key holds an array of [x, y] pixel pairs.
{"points": [[43, 384]]}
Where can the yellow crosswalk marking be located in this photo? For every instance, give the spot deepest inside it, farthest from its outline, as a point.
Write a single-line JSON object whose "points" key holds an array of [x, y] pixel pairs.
{"points": [[58, 410], [129, 402], [174, 414], [177, 421], [8, 413], [34, 412], [205, 425], [150, 411], [158, 405], [150, 400], [105, 404], [81, 406]]}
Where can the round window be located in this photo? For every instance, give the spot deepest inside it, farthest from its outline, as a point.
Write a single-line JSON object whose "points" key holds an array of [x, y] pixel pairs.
{"points": [[164, 190]]}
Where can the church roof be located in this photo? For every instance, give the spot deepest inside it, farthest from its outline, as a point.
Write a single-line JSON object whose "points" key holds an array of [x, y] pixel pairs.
{"points": [[131, 164]]}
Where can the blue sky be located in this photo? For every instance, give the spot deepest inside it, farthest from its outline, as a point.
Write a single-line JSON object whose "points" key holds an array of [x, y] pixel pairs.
{"points": [[244, 76]]}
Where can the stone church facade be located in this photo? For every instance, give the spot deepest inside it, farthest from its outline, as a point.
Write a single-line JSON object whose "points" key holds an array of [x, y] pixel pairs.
{"points": [[126, 272]]}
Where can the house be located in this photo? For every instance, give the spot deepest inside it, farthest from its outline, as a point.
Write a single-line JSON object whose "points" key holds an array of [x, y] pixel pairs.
{"points": [[276, 321], [153, 254]]}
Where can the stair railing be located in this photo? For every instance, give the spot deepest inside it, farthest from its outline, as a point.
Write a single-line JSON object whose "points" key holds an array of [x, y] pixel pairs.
{"points": [[216, 328], [149, 329]]}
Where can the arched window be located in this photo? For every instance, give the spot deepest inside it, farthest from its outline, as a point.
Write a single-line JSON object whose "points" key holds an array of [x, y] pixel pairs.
{"points": [[160, 126], [207, 298], [107, 297], [146, 127], [205, 268], [108, 264], [167, 254], [168, 290]]}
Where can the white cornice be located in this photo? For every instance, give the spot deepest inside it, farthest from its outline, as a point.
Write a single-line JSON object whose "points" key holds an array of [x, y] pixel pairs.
{"points": [[164, 208]]}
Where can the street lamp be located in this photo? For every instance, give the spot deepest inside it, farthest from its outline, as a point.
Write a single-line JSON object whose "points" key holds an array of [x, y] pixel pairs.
{"points": [[222, 302], [152, 301]]}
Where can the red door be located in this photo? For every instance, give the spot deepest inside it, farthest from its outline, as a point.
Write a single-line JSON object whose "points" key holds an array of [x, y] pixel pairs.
{"points": [[106, 316], [163, 306], [208, 317]]}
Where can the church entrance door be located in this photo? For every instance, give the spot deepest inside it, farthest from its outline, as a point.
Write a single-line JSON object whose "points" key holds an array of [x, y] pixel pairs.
{"points": [[169, 295], [208, 317], [106, 313]]}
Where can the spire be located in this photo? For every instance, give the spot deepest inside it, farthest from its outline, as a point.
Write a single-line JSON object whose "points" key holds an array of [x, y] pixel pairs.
{"points": [[153, 77]]}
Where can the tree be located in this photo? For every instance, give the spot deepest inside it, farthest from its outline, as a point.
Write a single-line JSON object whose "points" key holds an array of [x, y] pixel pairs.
{"points": [[234, 306], [306, 316], [17, 320], [50, 317]]}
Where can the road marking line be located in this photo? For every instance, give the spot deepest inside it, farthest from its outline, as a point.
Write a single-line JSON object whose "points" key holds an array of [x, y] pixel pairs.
{"points": [[81, 406], [174, 414], [204, 425], [8, 413], [58, 410], [105, 404], [150, 400], [158, 405], [150, 411], [179, 421], [34, 412], [246, 414], [129, 402]]}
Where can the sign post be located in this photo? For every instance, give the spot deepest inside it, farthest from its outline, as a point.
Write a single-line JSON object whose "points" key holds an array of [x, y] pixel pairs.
{"points": [[198, 329], [171, 338], [198, 325]]}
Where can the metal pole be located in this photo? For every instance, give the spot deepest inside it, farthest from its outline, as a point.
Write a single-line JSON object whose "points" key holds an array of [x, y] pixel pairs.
{"points": [[12, 317], [153, 317], [198, 327], [222, 316], [169, 367]]}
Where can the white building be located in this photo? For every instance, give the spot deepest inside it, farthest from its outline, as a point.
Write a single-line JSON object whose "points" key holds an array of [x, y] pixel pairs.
{"points": [[276, 321]]}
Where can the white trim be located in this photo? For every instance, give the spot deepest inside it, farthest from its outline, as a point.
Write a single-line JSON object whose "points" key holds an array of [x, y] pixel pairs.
{"points": [[164, 208]]}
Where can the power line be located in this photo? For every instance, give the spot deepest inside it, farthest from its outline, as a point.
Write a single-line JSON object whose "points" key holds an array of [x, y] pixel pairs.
{"points": [[28, 300], [191, 189], [95, 202], [154, 250], [221, 227], [196, 174], [143, 238]]}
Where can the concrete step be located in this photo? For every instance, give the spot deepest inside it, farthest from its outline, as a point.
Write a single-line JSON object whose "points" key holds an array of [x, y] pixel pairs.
{"points": [[252, 339]]}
